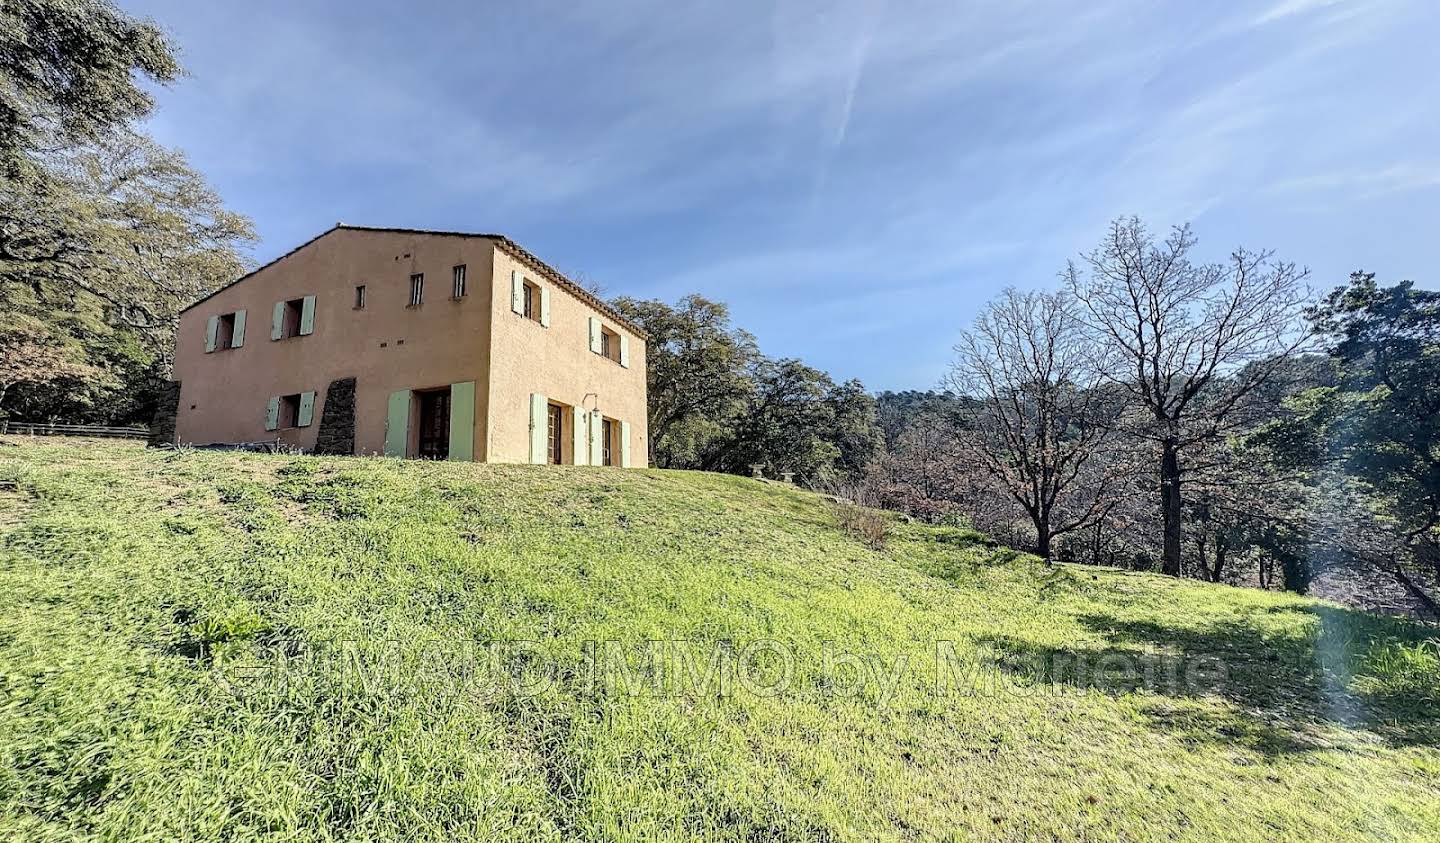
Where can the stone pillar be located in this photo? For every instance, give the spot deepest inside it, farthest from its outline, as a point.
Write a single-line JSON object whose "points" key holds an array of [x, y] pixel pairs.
{"points": [[337, 420], [162, 423]]}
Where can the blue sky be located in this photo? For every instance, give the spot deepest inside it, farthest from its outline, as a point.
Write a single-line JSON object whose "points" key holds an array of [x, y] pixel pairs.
{"points": [[855, 178]]}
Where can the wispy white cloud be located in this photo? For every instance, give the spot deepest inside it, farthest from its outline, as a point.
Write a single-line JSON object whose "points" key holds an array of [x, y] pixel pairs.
{"points": [[849, 155], [1364, 183], [1287, 8]]}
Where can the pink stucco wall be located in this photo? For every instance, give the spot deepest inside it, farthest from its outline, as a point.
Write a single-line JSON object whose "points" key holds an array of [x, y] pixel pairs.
{"points": [[556, 362]]}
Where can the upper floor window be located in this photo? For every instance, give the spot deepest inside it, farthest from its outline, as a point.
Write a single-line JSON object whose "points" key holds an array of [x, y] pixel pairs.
{"points": [[457, 282], [226, 330], [290, 317], [609, 344], [529, 299], [359, 296], [293, 318], [417, 289]]}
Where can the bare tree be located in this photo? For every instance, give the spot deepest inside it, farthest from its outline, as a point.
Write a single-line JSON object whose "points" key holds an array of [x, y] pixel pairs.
{"points": [[1040, 413], [1189, 342]]}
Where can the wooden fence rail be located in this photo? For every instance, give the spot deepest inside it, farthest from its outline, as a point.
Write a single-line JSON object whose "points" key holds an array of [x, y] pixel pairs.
{"points": [[47, 429]]}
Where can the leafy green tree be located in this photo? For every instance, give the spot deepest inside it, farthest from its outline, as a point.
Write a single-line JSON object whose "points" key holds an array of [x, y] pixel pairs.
{"points": [[855, 427], [70, 71], [698, 375], [121, 236], [897, 411], [1243, 506], [31, 355], [104, 234], [158, 236], [718, 404], [70, 76], [1382, 427], [788, 423]]}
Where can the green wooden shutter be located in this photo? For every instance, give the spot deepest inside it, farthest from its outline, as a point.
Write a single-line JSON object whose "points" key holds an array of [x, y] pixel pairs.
{"points": [[517, 292], [277, 321], [624, 351], [597, 439], [545, 307], [594, 335], [212, 330], [272, 413], [462, 421], [306, 413], [307, 316], [397, 424], [624, 444], [579, 435], [539, 418], [237, 338]]}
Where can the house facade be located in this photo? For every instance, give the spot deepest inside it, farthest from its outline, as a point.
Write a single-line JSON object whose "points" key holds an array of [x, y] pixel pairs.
{"points": [[419, 344]]}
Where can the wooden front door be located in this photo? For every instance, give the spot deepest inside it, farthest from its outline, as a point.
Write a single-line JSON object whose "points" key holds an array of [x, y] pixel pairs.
{"points": [[435, 425]]}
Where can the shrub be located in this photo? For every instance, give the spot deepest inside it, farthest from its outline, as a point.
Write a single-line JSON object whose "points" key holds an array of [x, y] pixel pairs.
{"points": [[869, 526], [1401, 670], [855, 511]]}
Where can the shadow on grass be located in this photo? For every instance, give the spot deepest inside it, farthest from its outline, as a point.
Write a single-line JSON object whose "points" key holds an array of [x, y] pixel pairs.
{"points": [[1286, 686], [957, 554]]}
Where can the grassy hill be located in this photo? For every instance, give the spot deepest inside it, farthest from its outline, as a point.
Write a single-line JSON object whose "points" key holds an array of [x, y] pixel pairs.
{"points": [[212, 645]]}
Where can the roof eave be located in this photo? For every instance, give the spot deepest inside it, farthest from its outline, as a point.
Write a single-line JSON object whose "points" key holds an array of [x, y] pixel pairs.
{"points": [[510, 247]]}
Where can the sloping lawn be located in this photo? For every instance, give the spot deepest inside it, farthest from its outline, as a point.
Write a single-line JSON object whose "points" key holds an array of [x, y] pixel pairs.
{"points": [[202, 645]]}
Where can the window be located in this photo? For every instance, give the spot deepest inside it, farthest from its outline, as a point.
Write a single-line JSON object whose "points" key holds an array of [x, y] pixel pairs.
{"points": [[290, 322], [457, 282], [529, 300], [554, 430], [417, 289], [532, 301], [225, 332], [289, 411], [607, 437], [608, 344], [293, 318], [359, 296]]}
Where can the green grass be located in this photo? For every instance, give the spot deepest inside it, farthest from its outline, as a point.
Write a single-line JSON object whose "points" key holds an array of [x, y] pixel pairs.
{"points": [[199, 645]]}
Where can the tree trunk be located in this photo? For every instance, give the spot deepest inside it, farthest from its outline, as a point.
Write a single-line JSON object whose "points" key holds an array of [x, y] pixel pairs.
{"points": [[1170, 505], [1295, 574], [1220, 549], [1415, 590]]}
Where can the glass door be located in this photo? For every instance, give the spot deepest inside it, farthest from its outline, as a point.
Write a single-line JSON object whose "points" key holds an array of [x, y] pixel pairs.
{"points": [[435, 425]]}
